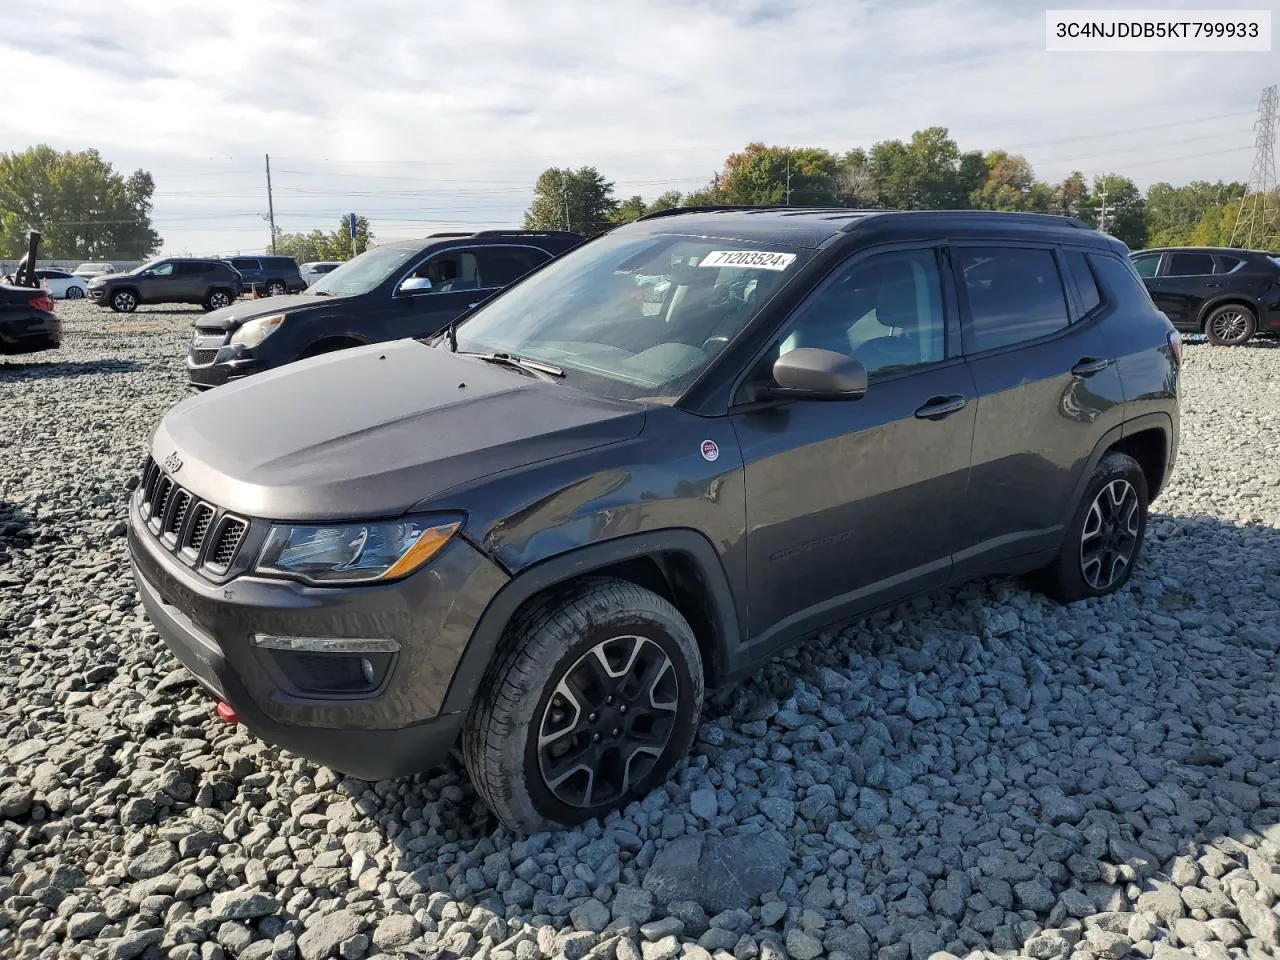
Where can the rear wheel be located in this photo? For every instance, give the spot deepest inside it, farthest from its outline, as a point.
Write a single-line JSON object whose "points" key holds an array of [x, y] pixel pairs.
{"points": [[275, 288], [124, 301], [594, 698], [1104, 539], [1230, 325], [75, 293]]}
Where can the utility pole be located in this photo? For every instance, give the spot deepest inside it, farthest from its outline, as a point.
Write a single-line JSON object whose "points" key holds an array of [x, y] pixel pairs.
{"points": [[788, 178], [564, 195], [1103, 211], [271, 209], [1257, 225]]}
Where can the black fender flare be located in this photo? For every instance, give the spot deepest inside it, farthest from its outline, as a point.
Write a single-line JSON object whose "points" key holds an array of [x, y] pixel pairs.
{"points": [[582, 561], [1156, 420]]}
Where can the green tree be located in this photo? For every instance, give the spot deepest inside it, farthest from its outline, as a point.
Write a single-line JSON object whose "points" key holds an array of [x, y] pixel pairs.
{"points": [[1010, 184], [322, 245], [635, 207], [1125, 217], [760, 175], [927, 173], [579, 200], [855, 181], [1071, 196], [82, 207], [1173, 213]]}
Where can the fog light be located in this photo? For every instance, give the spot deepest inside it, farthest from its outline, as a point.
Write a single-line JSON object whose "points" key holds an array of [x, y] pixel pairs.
{"points": [[355, 645], [366, 668]]}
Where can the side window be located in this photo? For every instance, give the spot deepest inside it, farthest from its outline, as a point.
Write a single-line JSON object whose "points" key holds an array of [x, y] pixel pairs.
{"points": [[193, 268], [451, 271], [1086, 286], [244, 264], [1014, 295], [1121, 286], [500, 266], [1146, 266], [1189, 265], [162, 270], [885, 311]]}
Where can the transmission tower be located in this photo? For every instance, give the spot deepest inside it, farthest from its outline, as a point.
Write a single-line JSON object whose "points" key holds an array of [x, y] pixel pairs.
{"points": [[1258, 221]]}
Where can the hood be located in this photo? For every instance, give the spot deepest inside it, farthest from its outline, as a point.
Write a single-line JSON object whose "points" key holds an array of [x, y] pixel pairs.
{"points": [[368, 432], [229, 318]]}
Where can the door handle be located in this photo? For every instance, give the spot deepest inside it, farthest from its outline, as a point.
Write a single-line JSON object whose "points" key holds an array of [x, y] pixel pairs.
{"points": [[472, 306], [1088, 366], [938, 407], [1212, 285]]}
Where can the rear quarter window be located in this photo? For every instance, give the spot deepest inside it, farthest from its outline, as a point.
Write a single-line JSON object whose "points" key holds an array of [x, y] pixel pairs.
{"points": [[1120, 282], [1086, 286]]}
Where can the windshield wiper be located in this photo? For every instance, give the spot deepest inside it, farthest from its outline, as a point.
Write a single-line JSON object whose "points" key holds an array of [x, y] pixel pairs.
{"points": [[520, 363]]}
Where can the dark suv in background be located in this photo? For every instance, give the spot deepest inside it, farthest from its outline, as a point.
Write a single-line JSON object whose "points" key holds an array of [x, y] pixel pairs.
{"points": [[644, 470], [1224, 293], [272, 276], [210, 283], [409, 289]]}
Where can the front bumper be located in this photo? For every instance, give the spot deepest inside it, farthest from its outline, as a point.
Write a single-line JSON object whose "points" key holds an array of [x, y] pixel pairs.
{"points": [[397, 730], [211, 362]]}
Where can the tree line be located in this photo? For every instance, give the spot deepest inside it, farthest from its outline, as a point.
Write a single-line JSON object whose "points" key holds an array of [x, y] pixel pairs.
{"points": [[926, 172]]}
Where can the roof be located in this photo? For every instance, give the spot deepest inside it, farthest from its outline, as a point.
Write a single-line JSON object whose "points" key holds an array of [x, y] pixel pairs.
{"points": [[815, 226], [493, 235], [1230, 251]]}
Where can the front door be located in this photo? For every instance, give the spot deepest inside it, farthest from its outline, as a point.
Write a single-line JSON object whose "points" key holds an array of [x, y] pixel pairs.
{"points": [[162, 283], [1183, 286], [1048, 389], [856, 503]]}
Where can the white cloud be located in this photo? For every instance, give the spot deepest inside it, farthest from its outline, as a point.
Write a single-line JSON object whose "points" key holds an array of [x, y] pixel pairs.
{"points": [[472, 100]]}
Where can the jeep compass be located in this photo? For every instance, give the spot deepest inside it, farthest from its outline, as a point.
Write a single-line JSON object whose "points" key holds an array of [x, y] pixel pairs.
{"points": [[642, 471]]}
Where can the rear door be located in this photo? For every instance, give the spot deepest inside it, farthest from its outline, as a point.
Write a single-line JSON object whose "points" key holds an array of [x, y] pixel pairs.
{"points": [[1048, 388], [1186, 281]]}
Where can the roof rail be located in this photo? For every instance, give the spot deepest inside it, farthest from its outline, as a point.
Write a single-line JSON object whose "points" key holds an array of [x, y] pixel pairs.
{"points": [[526, 233], [449, 233], [711, 208]]}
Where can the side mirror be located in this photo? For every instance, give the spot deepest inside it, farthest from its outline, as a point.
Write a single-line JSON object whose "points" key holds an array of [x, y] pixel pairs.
{"points": [[414, 285], [808, 373]]}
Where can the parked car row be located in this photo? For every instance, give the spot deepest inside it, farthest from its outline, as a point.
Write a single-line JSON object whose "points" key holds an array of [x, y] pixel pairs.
{"points": [[553, 512]]}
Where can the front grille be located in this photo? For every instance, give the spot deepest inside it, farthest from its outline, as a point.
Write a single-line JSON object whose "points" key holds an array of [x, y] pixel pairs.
{"points": [[200, 533], [202, 357]]}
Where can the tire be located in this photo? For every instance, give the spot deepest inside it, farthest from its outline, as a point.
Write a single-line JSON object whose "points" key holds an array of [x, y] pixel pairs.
{"points": [[1086, 565], [276, 289], [217, 299], [1230, 325], [75, 293], [604, 635], [124, 301]]}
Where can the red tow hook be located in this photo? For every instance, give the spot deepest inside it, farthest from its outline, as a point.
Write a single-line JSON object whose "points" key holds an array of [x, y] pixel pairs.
{"points": [[227, 713]]}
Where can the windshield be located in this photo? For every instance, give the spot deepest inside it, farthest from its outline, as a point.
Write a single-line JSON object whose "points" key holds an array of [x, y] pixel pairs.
{"points": [[634, 316], [363, 273]]}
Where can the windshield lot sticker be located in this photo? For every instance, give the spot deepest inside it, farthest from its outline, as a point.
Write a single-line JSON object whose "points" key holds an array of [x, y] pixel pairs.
{"points": [[754, 259], [709, 450]]}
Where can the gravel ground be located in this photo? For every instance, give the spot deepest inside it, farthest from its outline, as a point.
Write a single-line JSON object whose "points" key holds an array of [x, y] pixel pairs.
{"points": [[982, 772]]}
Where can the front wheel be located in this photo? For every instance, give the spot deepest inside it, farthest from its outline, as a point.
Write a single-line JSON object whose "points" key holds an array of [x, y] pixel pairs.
{"points": [[217, 299], [592, 700], [1230, 326], [124, 301], [75, 293], [1104, 538]]}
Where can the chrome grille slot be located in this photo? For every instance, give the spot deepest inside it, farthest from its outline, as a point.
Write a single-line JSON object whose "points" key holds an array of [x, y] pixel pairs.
{"points": [[164, 487], [224, 548], [181, 504], [199, 527]]}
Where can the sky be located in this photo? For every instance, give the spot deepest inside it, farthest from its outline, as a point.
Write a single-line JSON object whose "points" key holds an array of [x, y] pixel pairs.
{"points": [[425, 115]]}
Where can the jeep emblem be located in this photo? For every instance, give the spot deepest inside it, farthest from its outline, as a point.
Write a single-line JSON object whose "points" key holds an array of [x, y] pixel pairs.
{"points": [[173, 462]]}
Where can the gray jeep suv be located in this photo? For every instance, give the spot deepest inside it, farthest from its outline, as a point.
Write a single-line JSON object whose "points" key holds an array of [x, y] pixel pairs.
{"points": [[640, 472], [210, 283]]}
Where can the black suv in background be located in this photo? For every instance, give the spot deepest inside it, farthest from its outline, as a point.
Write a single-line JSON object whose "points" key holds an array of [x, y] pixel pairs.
{"points": [[409, 289], [211, 283], [273, 276], [644, 470], [1224, 293]]}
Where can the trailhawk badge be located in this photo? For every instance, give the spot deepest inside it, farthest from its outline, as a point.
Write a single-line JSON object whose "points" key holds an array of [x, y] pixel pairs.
{"points": [[709, 450]]}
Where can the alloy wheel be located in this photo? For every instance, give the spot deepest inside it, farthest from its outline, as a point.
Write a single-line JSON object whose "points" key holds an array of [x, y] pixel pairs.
{"points": [[75, 293], [218, 299], [124, 301], [275, 290], [1230, 326], [1110, 535], [608, 721]]}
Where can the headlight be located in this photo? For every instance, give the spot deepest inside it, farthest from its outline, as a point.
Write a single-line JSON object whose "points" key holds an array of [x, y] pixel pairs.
{"points": [[253, 332], [354, 552]]}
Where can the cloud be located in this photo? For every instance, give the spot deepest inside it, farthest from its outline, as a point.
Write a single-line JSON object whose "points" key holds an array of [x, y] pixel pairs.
{"points": [[430, 112]]}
